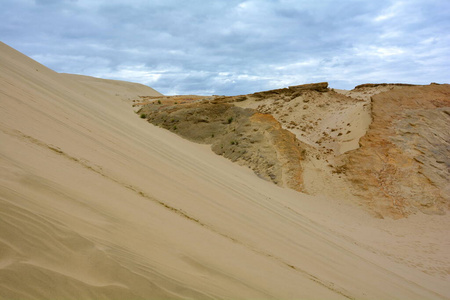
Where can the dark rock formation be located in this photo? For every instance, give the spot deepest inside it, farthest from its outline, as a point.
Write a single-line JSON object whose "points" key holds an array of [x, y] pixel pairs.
{"points": [[371, 85]]}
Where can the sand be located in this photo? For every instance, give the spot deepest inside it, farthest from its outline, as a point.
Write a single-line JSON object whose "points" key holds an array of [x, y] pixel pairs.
{"points": [[96, 203]]}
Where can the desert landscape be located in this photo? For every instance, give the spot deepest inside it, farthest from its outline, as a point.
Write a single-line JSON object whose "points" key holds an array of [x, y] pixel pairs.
{"points": [[111, 190]]}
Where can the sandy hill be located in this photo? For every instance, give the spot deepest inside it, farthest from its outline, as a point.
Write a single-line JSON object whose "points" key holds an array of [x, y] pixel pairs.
{"points": [[386, 146], [95, 203]]}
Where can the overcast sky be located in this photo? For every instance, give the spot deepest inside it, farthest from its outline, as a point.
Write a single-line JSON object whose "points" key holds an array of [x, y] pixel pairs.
{"points": [[230, 47]]}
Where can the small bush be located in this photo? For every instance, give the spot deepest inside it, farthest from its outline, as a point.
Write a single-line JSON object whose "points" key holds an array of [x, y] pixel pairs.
{"points": [[303, 153], [143, 116], [159, 101], [230, 119]]}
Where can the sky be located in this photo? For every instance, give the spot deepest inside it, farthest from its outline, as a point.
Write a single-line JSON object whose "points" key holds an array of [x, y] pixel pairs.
{"points": [[232, 47]]}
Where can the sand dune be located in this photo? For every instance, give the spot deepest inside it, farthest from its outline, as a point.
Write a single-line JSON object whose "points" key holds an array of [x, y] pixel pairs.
{"points": [[96, 203], [385, 146]]}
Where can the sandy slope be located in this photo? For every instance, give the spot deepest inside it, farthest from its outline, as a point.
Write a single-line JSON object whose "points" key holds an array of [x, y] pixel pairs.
{"points": [[114, 89], [97, 204]]}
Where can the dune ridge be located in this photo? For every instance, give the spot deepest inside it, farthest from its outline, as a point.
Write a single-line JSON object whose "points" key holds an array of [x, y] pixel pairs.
{"points": [[95, 203]]}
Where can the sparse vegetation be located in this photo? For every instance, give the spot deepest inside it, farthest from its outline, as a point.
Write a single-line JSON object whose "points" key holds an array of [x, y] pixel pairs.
{"points": [[303, 153], [159, 101], [143, 116], [230, 119]]}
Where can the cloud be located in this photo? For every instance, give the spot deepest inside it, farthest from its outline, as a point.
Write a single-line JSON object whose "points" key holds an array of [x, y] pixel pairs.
{"points": [[235, 47], [390, 12]]}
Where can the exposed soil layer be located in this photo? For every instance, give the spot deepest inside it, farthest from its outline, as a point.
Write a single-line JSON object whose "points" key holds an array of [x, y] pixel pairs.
{"points": [[404, 160], [384, 145], [242, 135]]}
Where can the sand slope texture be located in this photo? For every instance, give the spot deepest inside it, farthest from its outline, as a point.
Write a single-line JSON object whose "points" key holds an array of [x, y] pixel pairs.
{"points": [[95, 203]]}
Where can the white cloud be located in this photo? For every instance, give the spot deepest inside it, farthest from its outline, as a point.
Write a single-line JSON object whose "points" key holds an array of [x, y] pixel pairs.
{"points": [[390, 12], [381, 52], [298, 65], [138, 73]]}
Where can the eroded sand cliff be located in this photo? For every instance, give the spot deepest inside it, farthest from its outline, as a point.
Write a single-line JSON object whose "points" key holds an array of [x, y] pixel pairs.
{"points": [[384, 145]]}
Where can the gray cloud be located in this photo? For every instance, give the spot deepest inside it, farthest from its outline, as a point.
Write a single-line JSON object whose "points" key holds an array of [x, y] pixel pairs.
{"points": [[235, 47]]}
